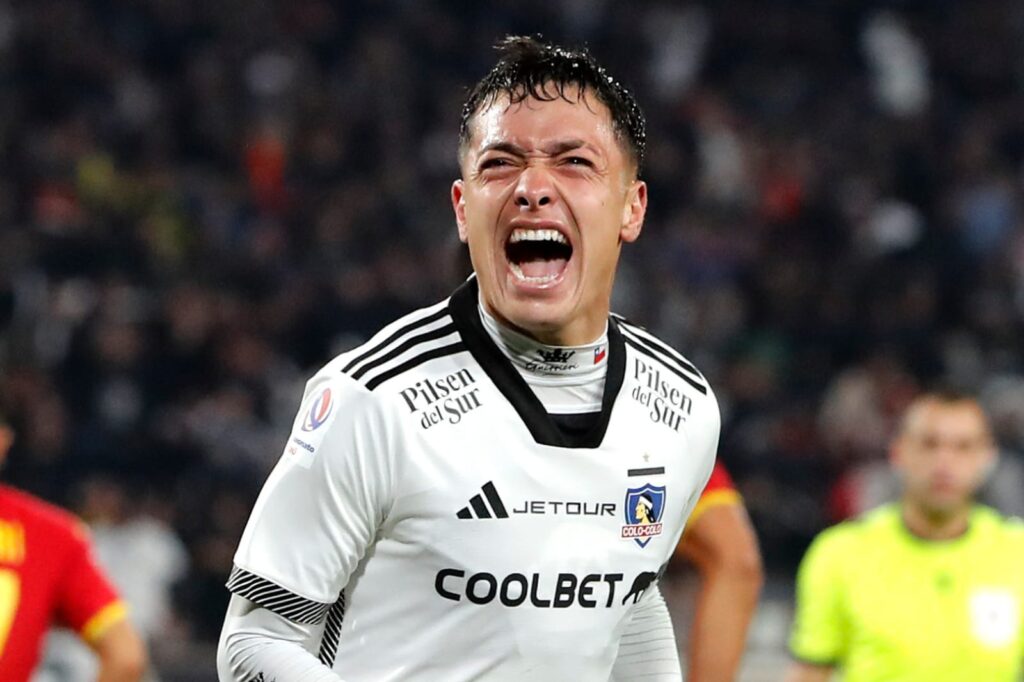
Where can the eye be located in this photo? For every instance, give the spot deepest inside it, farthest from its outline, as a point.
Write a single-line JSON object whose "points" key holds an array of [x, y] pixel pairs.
{"points": [[579, 161], [495, 162]]}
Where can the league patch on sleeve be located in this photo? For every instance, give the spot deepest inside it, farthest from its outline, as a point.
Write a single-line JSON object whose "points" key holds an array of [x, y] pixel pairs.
{"points": [[310, 428], [319, 412]]}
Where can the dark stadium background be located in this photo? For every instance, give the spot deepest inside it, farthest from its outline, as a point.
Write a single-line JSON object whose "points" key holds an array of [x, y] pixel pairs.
{"points": [[201, 202]]}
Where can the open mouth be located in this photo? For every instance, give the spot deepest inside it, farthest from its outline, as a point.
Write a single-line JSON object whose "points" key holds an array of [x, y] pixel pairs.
{"points": [[537, 256]]}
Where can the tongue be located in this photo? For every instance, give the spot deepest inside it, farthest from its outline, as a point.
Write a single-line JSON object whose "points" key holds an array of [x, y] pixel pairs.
{"points": [[542, 267]]}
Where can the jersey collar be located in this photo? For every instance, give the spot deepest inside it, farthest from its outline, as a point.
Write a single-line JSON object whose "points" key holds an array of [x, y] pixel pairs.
{"points": [[463, 309]]}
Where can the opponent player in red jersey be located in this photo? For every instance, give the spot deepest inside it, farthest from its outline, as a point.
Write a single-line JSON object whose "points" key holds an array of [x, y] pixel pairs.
{"points": [[720, 541], [48, 577]]}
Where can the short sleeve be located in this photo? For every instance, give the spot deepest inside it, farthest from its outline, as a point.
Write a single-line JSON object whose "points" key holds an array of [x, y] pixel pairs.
{"points": [[820, 627], [87, 603], [720, 490], [320, 508]]}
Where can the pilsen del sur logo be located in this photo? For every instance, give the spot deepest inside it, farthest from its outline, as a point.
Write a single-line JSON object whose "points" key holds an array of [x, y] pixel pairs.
{"points": [[644, 507]]}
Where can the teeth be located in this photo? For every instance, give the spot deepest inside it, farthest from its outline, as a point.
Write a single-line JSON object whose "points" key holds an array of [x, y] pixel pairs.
{"points": [[524, 235], [518, 272]]}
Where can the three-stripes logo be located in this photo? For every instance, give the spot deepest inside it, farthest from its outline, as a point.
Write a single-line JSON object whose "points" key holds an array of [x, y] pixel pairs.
{"points": [[478, 509]]}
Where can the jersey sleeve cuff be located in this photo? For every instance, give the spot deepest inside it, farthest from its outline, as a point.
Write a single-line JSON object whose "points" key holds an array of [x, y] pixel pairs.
{"points": [[819, 661], [714, 498], [100, 622], [273, 597]]}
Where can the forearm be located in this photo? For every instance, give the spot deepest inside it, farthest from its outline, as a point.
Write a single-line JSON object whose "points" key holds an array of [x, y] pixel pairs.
{"points": [[647, 650], [258, 642], [725, 606]]}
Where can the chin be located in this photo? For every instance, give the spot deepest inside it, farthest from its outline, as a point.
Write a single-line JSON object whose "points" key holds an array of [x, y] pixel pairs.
{"points": [[944, 507]]}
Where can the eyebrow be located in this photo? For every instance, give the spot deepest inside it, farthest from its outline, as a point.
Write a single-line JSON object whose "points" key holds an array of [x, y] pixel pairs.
{"points": [[553, 149]]}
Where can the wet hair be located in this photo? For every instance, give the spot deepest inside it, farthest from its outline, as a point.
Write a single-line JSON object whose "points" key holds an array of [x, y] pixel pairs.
{"points": [[528, 67]]}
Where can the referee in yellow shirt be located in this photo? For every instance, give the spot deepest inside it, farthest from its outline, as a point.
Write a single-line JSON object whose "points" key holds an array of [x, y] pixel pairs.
{"points": [[929, 589]]}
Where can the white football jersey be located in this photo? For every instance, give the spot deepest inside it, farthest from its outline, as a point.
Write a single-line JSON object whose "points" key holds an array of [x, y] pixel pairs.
{"points": [[440, 525]]}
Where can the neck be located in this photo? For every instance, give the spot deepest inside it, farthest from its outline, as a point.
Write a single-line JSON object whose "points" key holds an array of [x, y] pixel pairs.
{"points": [[583, 361], [932, 525], [577, 333]]}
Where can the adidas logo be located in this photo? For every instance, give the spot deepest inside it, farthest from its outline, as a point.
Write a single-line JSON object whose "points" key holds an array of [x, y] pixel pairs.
{"points": [[556, 356], [478, 508]]}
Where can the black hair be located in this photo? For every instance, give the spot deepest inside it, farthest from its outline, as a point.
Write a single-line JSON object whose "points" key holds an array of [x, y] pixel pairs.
{"points": [[528, 67]]}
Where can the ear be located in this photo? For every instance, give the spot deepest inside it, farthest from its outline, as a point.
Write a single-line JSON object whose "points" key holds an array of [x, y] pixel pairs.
{"points": [[634, 211], [6, 441], [991, 461], [459, 206], [896, 454]]}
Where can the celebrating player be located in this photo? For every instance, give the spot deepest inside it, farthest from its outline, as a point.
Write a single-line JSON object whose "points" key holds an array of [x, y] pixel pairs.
{"points": [[48, 576], [930, 588], [458, 499], [720, 542]]}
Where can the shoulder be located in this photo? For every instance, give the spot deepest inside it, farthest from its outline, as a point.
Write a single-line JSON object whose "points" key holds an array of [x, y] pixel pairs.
{"points": [[42, 516], [344, 394], [1006, 529], [407, 343], [847, 538], [654, 363]]}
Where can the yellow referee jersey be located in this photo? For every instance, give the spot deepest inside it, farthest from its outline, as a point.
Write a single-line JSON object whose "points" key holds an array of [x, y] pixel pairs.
{"points": [[882, 604]]}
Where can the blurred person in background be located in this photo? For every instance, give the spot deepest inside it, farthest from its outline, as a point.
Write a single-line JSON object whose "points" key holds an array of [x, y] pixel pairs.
{"points": [[49, 577], [720, 541], [930, 588], [451, 488], [143, 558]]}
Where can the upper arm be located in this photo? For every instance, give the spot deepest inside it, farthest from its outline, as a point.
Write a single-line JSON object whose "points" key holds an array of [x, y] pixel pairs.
{"points": [[722, 539], [87, 602], [121, 652], [820, 626], [320, 508]]}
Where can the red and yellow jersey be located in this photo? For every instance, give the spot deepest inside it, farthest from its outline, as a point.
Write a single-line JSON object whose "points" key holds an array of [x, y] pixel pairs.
{"points": [[47, 577], [719, 490]]}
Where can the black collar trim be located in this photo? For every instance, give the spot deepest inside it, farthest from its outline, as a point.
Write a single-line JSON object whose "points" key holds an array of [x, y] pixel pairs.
{"points": [[463, 310]]}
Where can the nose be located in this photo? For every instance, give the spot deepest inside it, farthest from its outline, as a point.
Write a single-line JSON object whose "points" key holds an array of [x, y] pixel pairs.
{"points": [[534, 189]]}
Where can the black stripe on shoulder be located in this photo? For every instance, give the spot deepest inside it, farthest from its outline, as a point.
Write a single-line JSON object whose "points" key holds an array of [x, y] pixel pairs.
{"points": [[643, 336], [440, 352], [667, 354], [402, 331], [668, 365], [332, 632], [273, 597], [404, 346]]}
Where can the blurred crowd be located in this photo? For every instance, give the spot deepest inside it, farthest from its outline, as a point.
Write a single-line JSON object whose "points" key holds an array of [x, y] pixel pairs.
{"points": [[202, 202]]}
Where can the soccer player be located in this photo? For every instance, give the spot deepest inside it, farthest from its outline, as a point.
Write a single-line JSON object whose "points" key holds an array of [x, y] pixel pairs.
{"points": [[926, 589], [720, 541], [458, 497], [48, 576]]}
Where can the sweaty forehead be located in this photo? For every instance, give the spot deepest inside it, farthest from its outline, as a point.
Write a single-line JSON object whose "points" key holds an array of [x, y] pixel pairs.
{"points": [[535, 124]]}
